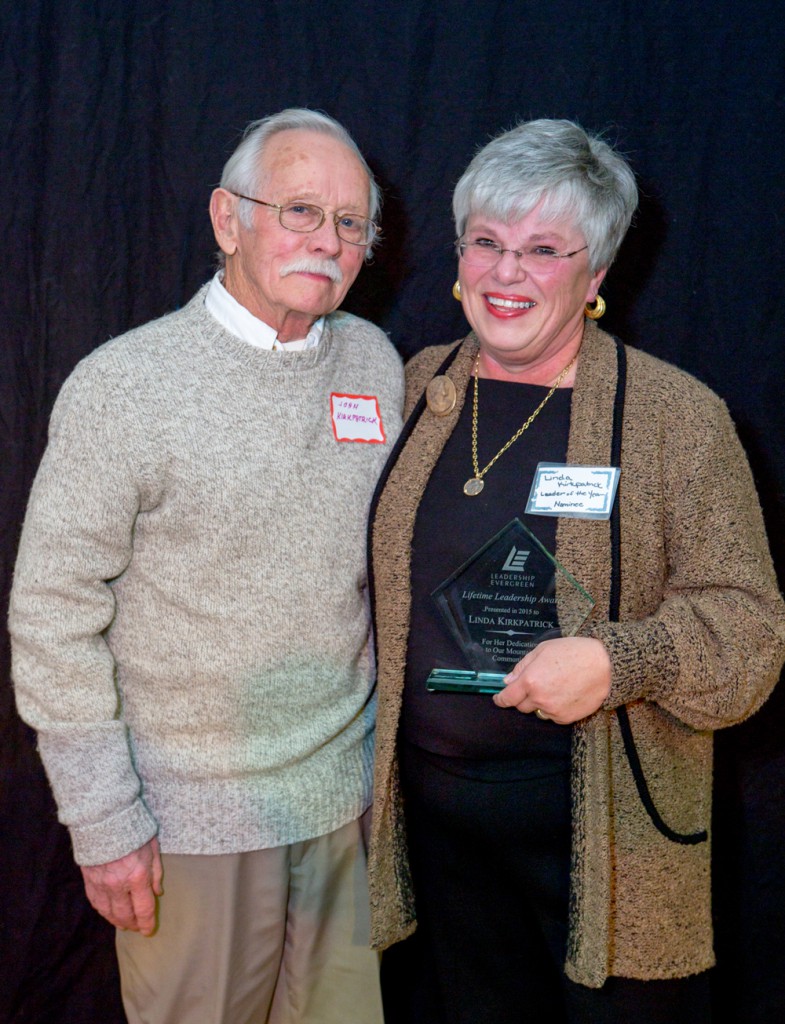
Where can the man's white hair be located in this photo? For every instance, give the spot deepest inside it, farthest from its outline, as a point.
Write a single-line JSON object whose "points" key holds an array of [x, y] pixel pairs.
{"points": [[243, 170]]}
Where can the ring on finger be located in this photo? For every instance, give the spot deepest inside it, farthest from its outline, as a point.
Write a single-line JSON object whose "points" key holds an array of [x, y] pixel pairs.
{"points": [[541, 715]]}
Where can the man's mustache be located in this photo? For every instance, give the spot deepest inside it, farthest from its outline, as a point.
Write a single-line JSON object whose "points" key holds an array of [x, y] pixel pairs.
{"points": [[310, 265]]}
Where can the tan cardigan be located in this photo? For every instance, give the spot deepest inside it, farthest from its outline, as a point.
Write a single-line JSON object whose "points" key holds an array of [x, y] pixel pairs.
{"points": [[699, 646]]}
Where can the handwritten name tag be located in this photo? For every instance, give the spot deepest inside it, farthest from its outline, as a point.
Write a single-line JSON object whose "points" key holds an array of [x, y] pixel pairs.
{"points": [[356, 418], [580, 492]]}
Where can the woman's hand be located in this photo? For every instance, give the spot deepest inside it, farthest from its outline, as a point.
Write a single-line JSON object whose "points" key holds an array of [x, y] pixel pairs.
{"points": [[566, 679]]}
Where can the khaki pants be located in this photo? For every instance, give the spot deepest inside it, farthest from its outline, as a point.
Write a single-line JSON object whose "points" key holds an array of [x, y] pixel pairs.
{"points": [[274, 936]]}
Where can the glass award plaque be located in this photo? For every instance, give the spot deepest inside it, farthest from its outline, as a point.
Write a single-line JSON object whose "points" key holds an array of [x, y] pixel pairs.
{"points": [[508, 597]]}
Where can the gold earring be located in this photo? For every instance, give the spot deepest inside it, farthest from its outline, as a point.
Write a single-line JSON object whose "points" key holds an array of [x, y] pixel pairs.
{"points": [[595, 311], [456, 291]]}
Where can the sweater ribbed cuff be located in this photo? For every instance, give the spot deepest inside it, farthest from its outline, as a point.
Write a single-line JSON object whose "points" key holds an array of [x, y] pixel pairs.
{"points": [[108, 840], [643, 659]]}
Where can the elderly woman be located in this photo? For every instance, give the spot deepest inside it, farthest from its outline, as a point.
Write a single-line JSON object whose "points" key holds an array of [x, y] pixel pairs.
{"points": [[549, 841]]}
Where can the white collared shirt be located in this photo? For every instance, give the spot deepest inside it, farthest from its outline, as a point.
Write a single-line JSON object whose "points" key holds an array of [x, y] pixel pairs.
{"points": [[244, 325]]}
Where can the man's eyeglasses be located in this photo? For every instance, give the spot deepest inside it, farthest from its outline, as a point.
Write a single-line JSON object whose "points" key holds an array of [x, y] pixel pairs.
{"points": [[486, 253], [304, 217]]}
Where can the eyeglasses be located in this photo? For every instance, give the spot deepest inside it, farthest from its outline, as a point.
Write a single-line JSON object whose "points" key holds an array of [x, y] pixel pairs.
{"points": [[486, 253], [304, 217]]}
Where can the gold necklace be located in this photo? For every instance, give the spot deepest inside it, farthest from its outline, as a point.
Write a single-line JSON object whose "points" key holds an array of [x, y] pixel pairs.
{"points": [[475, 484]]}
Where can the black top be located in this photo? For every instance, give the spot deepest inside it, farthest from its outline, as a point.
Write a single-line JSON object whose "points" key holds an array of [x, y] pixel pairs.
{"points": [[450, 527]]}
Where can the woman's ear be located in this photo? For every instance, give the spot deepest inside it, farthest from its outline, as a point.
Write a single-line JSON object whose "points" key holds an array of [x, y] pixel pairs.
{"points": [[594, 284]]}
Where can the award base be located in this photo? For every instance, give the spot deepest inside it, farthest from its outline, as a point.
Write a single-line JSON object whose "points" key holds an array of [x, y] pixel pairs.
{"points": [[456, 680]]}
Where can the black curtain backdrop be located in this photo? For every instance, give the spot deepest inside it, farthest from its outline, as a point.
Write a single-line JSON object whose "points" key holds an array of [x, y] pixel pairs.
{"points": [[115, 121]]}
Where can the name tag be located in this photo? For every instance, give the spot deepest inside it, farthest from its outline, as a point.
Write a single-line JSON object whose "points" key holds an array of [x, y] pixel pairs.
{"points": [[580, 492], [356, 418]]}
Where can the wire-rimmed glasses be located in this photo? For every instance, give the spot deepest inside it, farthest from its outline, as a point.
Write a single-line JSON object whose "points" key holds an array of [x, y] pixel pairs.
{"points": [[305, 217], [484, 252]]}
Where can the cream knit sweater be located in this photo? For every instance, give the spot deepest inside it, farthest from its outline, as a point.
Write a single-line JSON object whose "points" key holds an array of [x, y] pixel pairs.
{"points": [[189, 616]]}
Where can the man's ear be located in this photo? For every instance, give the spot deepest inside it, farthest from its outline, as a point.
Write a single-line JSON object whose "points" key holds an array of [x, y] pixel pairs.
{"points": [[223, 214]]}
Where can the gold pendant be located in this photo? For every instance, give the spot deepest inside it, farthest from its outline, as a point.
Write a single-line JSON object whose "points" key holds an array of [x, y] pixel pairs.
{"points": [[473, 486]]}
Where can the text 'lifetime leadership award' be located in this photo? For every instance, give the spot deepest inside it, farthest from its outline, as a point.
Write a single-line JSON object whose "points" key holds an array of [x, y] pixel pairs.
{"points": [[508, 597]]}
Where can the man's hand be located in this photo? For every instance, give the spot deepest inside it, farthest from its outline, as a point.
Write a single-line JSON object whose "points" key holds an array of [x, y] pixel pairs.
{"points": [[566, 680], [124, 891]]}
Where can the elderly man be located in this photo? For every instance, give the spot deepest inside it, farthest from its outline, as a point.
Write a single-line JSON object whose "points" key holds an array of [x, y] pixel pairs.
{"points": [[189, 615]]}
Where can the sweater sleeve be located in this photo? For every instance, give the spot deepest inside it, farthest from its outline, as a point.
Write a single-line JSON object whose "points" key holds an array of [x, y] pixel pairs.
{"points": [[712, 651], [77, 538]]}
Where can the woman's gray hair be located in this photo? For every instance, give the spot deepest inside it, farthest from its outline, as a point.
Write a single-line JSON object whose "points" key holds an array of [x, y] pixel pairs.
{"points": [[243, 170], [575, 175]]}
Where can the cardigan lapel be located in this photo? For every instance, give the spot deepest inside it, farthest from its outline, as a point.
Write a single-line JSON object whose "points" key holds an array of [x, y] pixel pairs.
{"points": [[584, 547], [395, 517]]}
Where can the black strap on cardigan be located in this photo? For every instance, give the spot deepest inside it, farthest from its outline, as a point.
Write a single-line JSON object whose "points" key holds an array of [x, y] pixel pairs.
{"points": [[685, 838]]}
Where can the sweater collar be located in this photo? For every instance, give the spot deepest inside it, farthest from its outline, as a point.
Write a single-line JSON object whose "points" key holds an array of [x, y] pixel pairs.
{"points": [[244, 325]]}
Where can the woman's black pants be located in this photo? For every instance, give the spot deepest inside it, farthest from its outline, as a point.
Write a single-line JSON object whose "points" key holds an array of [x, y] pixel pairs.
{"points": [[490, 856]]}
